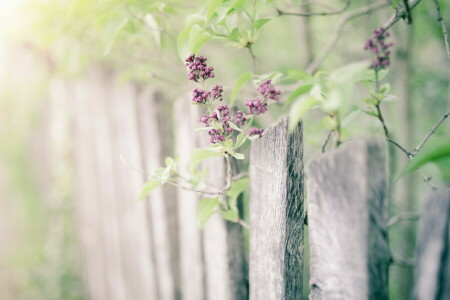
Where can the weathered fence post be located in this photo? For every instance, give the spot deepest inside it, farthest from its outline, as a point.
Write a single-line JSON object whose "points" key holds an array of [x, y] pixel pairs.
{"points": [[432, 274], [347, 217], [276, 214]]}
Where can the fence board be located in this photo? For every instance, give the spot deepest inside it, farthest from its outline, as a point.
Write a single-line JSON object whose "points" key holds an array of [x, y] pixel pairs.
{"points": [[163, 229], [89, 228], [432, 274], [276, 214], [136, 234], [106, 202], [347, 217]]}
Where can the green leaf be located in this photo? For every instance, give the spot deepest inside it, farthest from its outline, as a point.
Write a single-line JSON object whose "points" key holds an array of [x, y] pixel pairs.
{"points": [[238, 187], [431, 152], [298, 92], [115, 36], [349, 73], [260, 23], [183, 43], [200, 154], [231, 215], [238, 155], [299, 75], [234, 126], [239, 3], [350, 117], [212, 8], [368, 75], [238, 86], [299, 109], [148, 188], [205, 209], [240, 140], [154, 27], [197, 38]]}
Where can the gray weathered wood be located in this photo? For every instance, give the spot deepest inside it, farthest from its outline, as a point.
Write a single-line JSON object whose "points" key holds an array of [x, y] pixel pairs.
{"points": [[276, 214], [135, 226], [88, 224], [192, 277], [164, 233], [432, 274], [347, 217]]}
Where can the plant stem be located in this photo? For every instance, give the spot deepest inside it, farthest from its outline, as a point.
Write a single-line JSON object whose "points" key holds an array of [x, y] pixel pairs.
{"points": [[444, 28], [320, 13], [430, 133]]}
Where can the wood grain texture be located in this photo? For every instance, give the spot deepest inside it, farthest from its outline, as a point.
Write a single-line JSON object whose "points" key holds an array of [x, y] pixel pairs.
{"points": [[135, 226], [276, 214], [347, 217], [192, 277], [432, 274]]}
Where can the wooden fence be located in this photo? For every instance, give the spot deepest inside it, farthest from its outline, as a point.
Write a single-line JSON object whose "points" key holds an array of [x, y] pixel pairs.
{"points": [[154, 250]]}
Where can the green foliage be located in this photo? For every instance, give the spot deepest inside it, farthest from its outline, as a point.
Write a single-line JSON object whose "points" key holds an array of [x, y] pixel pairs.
{"points": [[205, 209]]}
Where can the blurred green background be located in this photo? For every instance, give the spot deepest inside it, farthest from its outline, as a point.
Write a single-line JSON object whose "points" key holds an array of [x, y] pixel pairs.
{"points": [[44, 40]]}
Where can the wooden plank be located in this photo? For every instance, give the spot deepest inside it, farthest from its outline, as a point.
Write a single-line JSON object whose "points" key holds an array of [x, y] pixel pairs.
{"points": [[108, 197], [163, 225], [192, 278], [88, 225], [135, 230], [347, 217], [276, 214], [432, 274]]}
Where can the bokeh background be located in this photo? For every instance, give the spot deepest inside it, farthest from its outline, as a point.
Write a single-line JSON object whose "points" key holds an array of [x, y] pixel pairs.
{"points": [[47, 43]]}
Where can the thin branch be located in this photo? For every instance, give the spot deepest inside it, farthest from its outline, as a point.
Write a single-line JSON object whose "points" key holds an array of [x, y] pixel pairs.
{"points": [[400, 14], [401, 217], [408, 16], [229, 174], [407, 153], [430, 133], [311, 14], [326, 141], [243, 224], [252, 54], [345, 18], [192, 190], [444, 28]]}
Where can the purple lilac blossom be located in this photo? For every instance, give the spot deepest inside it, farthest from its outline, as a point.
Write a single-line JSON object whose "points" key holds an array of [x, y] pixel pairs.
{"points": [[198, 68], [256, 106], [267, 90], [255, 131], [378, 46]]}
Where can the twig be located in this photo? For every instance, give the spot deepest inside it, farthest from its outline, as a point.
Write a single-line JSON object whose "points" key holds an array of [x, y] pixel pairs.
{"points": [[381, 118], [243, 224], [337, 32], [229, 174], [252, 54], [311, 14], [404, 216], [408, 16], [400, 14], [326, 141], [430, 133], [408, 154], [444, 28], [192, 190]]}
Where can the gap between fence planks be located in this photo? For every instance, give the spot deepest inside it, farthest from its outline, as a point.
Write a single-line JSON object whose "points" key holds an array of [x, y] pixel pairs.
{"points": [[347, 217], [432, 274], [276, 214]]}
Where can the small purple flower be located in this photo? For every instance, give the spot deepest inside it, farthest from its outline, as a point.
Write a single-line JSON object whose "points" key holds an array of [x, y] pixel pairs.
{"points": [[239, 118], [267, 90], [198, 68], [205, 119], [199, 96], [216, 136], [256, 106], [255, 131], [377, 45], [216, 92], [224, 113]]}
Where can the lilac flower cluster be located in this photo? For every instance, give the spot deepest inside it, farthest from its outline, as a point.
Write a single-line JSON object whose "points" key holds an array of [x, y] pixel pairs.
{"points": [[216, 92], [378, 46], [198, 68], [199, 96], [219, 121], [256, 106], [255, 131], [267, 90]]}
